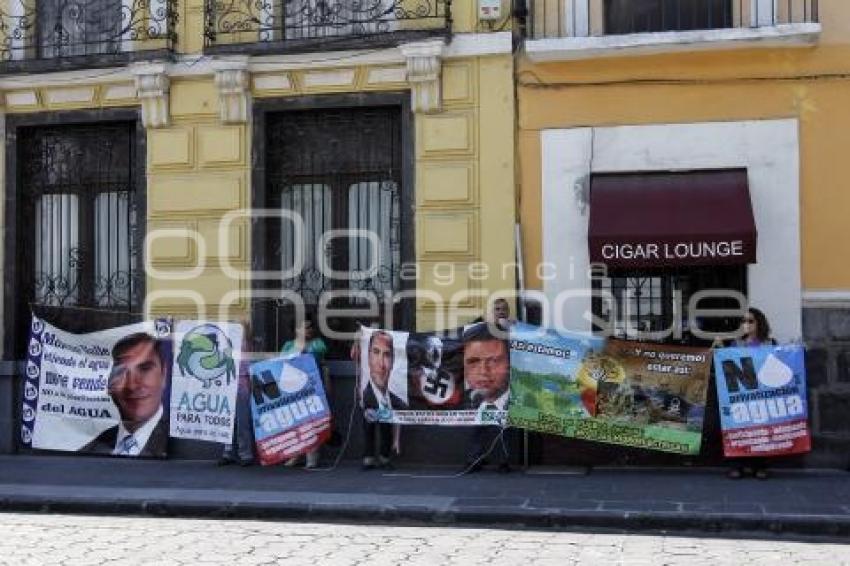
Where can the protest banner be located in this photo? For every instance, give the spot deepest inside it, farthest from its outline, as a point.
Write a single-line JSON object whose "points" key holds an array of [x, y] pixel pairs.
{"points": [[648, 396], [457, 378], [99, 393], [549, 376], [204, 380], [289, 408], [761, 392]]}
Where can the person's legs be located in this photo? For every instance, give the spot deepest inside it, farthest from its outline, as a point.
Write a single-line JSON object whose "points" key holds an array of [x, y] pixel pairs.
{"points": [[759, 466], [368, 444], [385, 443], [244, 429], [312, 459], [226, 455]]}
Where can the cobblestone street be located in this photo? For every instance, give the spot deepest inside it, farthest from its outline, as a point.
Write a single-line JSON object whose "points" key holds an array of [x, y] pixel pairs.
{"points": [[85, 540]]}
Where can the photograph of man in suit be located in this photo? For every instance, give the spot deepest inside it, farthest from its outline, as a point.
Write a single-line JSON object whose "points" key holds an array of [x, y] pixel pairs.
{"points": [[136, 385], [486, 368], [487, 371], [381, 358]]}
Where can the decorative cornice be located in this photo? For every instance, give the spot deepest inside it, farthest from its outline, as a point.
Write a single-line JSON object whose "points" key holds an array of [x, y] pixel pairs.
{"points": [[463, 45], [152, 89], [424, 67], [234, 89]]}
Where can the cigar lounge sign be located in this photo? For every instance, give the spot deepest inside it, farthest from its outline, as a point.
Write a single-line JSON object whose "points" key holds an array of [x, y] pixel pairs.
{"points": [[671, 219], [719, 251]]}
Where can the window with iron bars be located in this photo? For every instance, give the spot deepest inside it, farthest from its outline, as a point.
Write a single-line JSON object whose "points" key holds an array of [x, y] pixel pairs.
{"points": [[79, 211], [636, 16], [335, 174], [653, 304]]}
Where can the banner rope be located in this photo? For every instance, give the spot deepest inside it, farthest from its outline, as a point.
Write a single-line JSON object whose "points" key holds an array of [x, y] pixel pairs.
{"points": [[344, 448], [471, 466]]}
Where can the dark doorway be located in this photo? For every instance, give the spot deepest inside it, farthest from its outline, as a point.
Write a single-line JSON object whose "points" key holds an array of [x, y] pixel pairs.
{"points": [[79, 220], [341, 172]]}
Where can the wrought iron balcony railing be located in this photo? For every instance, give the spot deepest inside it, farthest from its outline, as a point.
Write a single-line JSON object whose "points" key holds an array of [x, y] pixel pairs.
{"points": [[38, 35], [583, 18], [259, 26]]}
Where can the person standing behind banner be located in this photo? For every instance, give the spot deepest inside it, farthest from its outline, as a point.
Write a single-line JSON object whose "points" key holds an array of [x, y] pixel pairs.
{"points": [[500, 315], [241, 447], [307, 342], [755, 332], [376, 395], [486, 370], [136, 384]]}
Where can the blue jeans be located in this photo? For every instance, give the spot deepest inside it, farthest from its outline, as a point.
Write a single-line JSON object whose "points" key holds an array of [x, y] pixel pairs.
{"points": [[242, 443]]}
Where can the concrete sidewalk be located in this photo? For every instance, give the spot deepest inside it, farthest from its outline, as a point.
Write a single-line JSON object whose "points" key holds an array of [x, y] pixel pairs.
{"points": [[791, 502]]}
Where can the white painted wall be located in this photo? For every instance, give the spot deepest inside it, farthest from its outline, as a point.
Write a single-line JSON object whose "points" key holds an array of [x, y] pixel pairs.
{"points": [[769, 149]]}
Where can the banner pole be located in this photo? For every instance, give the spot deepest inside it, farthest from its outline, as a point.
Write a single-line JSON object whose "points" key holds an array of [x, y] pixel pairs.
{"points": [[523, 315]]}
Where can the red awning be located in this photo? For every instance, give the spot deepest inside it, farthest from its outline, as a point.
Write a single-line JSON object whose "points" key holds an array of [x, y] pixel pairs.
{"points": [[671, 219]]}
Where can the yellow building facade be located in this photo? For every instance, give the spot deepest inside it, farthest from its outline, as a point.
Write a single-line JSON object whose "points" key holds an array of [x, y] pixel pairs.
{"points": [[610, 89], [185, 91], [197, 108]]}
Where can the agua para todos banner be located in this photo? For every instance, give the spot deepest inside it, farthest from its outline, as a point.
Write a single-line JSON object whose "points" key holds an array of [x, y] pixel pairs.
{"points": [[98, 393], [204, 380], [761, 392]]}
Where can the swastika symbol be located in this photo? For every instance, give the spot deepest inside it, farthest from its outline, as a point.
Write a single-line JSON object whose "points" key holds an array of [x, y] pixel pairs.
{"points": [[436, 384]]}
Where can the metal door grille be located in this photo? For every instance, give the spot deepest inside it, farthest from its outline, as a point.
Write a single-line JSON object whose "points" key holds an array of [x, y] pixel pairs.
{"points": [[648, 301], [78, 216], [340, 170]]}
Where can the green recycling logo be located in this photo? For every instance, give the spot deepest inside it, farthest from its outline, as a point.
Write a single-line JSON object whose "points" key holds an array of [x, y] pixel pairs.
{"points": [[206, 353]]}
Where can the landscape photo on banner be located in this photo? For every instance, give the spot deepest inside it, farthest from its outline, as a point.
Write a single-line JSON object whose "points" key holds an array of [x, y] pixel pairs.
{"points": [[641, 395], [205, 377], [761, 392], [289, 408], [459, 377], [98, 393]]}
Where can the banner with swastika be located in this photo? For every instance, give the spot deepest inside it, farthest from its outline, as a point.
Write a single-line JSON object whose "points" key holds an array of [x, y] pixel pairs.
{"points": [[452, 378]]}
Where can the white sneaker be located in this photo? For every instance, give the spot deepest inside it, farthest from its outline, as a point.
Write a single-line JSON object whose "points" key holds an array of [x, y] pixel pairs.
{"points": [[312, 460]]}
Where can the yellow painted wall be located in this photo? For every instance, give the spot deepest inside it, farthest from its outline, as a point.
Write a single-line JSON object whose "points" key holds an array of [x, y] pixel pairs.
{"points": [[198, 170], [811, 84], [465, 192]]}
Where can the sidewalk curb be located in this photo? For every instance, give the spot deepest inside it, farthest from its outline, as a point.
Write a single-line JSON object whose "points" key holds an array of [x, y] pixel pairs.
{"points": [[499, 517]]}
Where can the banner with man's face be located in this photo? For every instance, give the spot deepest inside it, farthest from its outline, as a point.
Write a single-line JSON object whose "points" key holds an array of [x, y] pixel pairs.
{"points": [[458, 378], [639, 395], [98, 393]]}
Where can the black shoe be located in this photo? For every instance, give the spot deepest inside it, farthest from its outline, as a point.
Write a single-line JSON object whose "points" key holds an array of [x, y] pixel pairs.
{"points": [[368, 463], [504, 468], [225, 461], [246, 463]]}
